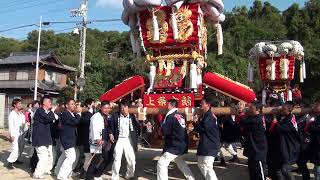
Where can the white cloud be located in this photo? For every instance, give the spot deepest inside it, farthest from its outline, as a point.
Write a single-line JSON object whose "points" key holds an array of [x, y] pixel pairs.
{"points": [[109, 3]]}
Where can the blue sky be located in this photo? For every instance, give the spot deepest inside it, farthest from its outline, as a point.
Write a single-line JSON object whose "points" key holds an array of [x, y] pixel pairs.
{"points": [[15, 13]]}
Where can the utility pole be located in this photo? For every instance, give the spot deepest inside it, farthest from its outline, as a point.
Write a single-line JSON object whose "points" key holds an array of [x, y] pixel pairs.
{"points": [[83, 47], [75, 89], [37, 62], [82, 12]]}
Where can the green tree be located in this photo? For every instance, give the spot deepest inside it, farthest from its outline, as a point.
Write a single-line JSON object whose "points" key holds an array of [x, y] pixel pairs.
{"points": [[7, 46]]}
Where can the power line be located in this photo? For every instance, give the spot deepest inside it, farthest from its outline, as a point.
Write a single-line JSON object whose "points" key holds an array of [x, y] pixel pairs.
{"points": [[107, 20], [55, 31], [59, 22], [8, 6], [19, 27], [90, 21], [106, 27], [26, 7], [13, 2], [62, 30], [52, 11]]}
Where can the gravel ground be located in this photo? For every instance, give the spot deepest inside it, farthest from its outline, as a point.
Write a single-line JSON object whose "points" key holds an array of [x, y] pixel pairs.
{"points": [[145, 168]]}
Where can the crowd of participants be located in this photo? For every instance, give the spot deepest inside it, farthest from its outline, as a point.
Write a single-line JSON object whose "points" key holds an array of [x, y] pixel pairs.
{"points": [[83, 139], [71, 138]]}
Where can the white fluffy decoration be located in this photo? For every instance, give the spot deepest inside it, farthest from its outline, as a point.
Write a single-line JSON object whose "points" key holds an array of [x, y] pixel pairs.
{"points": [[265, 49], [212, 9]]}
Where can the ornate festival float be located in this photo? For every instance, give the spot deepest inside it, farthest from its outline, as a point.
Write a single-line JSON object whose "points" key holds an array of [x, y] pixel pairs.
{"points": [[277, 62], [173, 36]]}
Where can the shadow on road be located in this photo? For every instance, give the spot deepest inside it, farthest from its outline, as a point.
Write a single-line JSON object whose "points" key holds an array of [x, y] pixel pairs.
{"points": [[24, 158], [149, 168], [146, 167]]}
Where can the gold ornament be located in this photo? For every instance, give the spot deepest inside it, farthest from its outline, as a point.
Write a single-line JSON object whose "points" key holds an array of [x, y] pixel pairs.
{"points": [[204, 33], [163, 27], [161, 63], [184, 24], [169, 67], [171, 80], [175, 57], [269, 68], [183, 70]]}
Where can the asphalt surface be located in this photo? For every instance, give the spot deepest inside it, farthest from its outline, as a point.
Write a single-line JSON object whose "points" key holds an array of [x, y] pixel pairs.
{"points": [[145, 167]]}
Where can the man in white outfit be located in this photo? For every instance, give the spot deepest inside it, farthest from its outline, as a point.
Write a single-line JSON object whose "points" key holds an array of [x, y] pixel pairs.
{"points": [[209, 142], [41, 137], [99, 144], [16, 130], [124, 130], [175, 135]]}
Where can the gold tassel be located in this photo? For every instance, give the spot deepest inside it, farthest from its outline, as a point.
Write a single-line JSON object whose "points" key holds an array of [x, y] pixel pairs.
{"points": [[169, 67], [161, 64], [183, 70]]}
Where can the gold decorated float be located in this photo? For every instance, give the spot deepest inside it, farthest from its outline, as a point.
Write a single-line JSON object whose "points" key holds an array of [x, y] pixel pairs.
{"points": [[173, 38]]}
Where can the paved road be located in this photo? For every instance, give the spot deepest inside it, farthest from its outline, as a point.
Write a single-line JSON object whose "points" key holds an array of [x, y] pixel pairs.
{"points": [[145, 169]]}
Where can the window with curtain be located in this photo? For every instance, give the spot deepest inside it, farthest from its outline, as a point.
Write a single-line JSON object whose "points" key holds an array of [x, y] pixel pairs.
{"points": [[53, 77], [4, 75], [22, 75]]}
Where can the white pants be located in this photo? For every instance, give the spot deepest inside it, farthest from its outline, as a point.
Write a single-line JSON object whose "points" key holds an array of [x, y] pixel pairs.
{"points": [[229, 148], [87, 161], [123, 145], [62, 158], [17, 147], [45, 162], [205, 164], [164, 161], [65, 162]]}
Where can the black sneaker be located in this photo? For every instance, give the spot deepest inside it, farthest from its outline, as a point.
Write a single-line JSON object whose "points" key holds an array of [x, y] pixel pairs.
{"points": [[32, 170], [222, 162], [133, 178], [9, 166], [18, 162], [235, 159], [83, 174], [296, 171]]}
